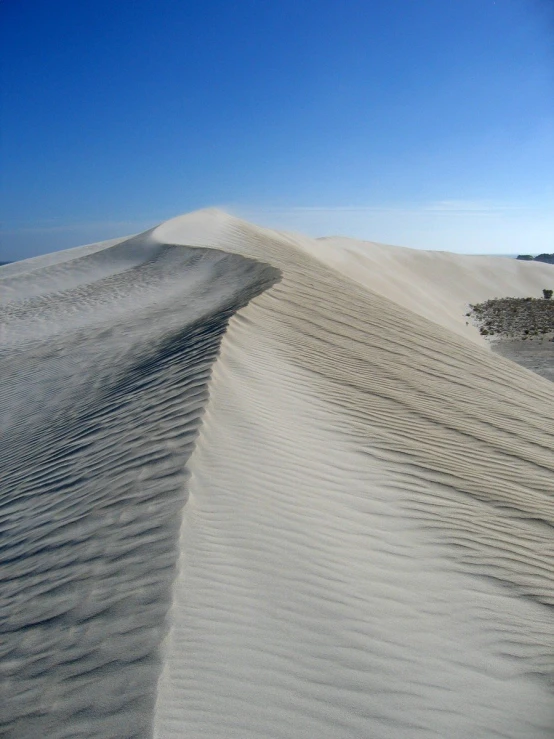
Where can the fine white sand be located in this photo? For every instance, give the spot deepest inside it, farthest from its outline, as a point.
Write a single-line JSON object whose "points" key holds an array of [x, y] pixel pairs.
{"points": [[436, 285], [365, 541]]}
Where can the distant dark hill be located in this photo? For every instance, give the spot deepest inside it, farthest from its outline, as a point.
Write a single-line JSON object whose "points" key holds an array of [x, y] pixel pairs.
{"points": [[548, 258]]}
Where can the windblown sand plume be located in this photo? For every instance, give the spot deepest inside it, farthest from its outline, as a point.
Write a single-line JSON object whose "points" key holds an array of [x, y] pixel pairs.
{"points": [[259, 485]]}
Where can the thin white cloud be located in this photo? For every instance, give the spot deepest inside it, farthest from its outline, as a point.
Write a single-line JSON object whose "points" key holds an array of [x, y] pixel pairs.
{"points": [[452, 206], [471, 206], [461, 225], [76, 227]]}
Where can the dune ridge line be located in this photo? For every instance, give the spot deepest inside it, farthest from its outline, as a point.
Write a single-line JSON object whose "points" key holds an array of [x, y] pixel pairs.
{"points": [[289, 494]]}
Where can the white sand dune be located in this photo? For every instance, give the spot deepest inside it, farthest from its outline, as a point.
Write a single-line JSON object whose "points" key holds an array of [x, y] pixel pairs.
{"points": [[366, 513], [104, 377], [435, 285]]}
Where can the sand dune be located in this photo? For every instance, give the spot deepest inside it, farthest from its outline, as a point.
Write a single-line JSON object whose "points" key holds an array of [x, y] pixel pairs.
{"points": [[365, 530], [104, 379], [435, 285]]}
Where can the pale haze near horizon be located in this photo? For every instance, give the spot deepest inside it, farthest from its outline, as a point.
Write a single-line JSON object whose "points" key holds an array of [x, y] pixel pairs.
{"points": [[428, 125]]}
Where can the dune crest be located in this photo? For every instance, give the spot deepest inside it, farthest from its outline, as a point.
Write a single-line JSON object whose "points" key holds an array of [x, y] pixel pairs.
{"points": [[370, 551], [105, 363], [365, 530]]}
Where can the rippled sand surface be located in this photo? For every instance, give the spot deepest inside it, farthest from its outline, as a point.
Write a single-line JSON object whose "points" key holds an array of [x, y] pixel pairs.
{"points": [[249, 494]]}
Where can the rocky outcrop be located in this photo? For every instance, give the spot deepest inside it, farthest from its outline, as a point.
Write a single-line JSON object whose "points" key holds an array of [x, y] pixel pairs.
{"points": [[514, 317], [547, 258]]}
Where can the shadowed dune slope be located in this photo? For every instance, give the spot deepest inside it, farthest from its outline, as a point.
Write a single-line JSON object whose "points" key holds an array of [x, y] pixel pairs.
{"points": [[367, 545], [105, 362]]}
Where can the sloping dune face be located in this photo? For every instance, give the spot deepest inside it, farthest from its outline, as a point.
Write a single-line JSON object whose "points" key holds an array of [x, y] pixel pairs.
{"points": [[366, 550], [435, 285], [358, 496], [105, 359]]}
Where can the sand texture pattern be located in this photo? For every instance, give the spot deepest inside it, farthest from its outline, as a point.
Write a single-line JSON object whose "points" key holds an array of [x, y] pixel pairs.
{"points": [[103, 386], [358, 497]]}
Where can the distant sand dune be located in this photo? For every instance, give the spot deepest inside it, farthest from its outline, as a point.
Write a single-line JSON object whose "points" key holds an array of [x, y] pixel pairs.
{"points": [[366, 543], [435, 285]]}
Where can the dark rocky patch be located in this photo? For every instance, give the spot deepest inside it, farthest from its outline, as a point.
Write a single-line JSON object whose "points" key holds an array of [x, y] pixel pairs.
{"points": [[521, 329], [514, 317], [546, 258]]}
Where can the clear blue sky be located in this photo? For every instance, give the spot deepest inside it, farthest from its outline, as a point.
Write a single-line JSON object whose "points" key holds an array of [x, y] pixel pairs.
{"points": [[428, 123]]}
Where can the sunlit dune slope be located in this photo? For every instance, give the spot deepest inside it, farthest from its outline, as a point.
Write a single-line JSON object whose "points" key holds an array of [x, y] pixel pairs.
{"points": [[437, 285], [358, 496], [367, 548]]}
